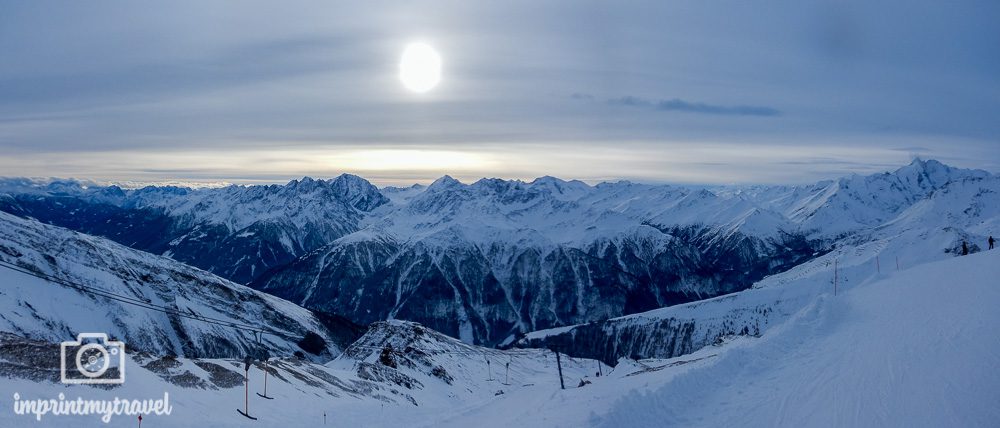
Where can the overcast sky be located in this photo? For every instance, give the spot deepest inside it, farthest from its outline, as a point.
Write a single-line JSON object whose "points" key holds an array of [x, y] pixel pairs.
{"points": [[657, 91]]}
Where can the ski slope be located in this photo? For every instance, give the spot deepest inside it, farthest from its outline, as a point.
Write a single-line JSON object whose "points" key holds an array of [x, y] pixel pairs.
{"points": [[913, 348], [433, 375]]}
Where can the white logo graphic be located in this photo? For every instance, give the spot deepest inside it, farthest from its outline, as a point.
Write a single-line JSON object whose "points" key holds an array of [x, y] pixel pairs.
{"points": [[95, 360]]}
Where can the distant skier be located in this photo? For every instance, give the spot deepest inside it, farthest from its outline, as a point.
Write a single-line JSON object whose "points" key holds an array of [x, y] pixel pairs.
{"points": [[965, 249], [991, 241]]}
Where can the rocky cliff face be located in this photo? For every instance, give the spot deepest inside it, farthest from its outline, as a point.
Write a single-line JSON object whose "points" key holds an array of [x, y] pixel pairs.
{"points": [[487, 294], [648, 337]]}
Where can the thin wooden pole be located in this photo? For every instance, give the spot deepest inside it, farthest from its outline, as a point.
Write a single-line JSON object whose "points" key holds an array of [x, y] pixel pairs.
{"points": [[835, 277], [559, 366]]}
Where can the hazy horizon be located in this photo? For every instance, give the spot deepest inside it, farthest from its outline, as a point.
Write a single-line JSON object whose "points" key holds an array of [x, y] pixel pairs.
{"points": [[380, 183]]}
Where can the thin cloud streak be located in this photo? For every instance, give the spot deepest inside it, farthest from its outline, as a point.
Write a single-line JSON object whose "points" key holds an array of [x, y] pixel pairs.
{"points": [[676, 104]]}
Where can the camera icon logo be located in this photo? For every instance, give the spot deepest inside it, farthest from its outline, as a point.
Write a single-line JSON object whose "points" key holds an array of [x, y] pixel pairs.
{"points": [[92, 359]]}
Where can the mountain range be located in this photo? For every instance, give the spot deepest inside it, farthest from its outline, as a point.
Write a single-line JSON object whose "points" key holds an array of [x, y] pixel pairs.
{"points": [[492, 260]]}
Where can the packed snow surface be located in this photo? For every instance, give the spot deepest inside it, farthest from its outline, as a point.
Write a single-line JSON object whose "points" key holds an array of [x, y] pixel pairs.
{"points": [[910, 348]]}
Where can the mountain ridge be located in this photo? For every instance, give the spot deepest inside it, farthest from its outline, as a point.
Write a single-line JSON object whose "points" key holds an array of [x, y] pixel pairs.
{"points": [[494, 258], [64, 283]]}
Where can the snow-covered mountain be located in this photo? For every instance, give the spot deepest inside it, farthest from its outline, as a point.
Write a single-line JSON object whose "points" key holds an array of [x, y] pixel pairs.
{"points": [[494, 258], [966, 209], [237, 232], [856, 203], [152, 303], [490, 260]]}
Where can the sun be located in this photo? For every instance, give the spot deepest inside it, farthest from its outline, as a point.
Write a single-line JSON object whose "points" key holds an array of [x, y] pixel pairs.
{"points": [[420, 67]]}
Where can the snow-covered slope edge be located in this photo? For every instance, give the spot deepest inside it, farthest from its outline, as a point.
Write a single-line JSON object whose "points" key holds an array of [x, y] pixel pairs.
{"points": [[914, 348], [43, 310]]}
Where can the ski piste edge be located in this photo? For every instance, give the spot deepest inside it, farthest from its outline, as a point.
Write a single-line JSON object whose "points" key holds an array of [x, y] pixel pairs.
{"points": [[244, 414]]}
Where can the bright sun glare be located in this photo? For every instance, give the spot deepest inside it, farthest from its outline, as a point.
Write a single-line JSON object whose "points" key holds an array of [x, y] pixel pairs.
{"points": [[420, 67]]}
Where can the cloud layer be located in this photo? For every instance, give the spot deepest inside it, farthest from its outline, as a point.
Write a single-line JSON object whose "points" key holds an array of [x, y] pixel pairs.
{"points": [[257, 91]]}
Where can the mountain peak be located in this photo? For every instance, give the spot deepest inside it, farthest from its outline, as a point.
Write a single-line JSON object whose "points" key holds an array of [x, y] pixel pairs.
{"points": [[920, 164], [444, 182], [568, 189], [358, 192], [934, 173], [350, 178], [295, 183], [547, 179]]}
